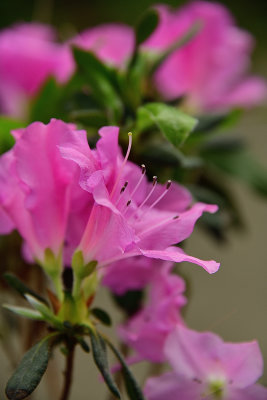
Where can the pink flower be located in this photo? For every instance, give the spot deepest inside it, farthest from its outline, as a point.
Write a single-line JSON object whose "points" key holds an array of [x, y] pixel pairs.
{"points": [[206, 367], [146, 332], [39, 192], [130, 216], [211, 70], [29, 55], [112, 43]]}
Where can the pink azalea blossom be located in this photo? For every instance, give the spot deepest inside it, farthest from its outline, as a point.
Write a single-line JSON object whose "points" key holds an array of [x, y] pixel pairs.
{"points": [[29, 55], [131, 216], [38, 188], [205, 367], [211, 70], [146, 332], [112, 43]]}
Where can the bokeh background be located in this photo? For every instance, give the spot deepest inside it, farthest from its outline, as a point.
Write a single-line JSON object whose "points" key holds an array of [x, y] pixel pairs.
{"points": [[233, 302]]}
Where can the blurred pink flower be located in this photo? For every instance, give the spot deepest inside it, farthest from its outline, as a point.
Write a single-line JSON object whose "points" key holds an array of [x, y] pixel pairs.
{"points": [[112, 43], [39, 189], [29, 55], [206, 367], [211, 70], [131, 216], [146, 332]]}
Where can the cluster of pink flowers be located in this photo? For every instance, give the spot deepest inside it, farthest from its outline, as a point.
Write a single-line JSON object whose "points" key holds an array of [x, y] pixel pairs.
{"points": [[200, 71], [95, 201]]}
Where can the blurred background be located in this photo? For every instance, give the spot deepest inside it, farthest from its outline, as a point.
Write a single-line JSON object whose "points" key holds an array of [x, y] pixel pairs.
{"points": [[233, 302]]}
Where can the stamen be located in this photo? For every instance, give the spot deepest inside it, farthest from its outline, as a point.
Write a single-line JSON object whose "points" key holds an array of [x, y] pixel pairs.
{"points": [[121, 193], [161, 223], [162, 195], [128, 203], [154, 184], [140, 180], [123, 163]]}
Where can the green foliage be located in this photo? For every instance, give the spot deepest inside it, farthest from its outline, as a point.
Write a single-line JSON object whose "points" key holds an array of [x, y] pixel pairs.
{"points": [[133, 390], [102, 82], [146, 25], [173, 123], [102, 316], [30, 371], [100, 358], [6, 125]]}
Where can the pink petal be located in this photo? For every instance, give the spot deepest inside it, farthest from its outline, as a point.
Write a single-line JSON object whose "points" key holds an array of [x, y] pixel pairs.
{"points": [[175, 254], [169, 386]]}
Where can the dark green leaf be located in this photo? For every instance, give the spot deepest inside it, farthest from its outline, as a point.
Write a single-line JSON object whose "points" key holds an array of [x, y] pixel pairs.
{"points": [[173, 123], [6, 125], [46, 104], [20, 287], [30, 371], [100, 357], [102, 316], [90, 118], [101, 80], [133, 390], [146, 26], [130, 302]]}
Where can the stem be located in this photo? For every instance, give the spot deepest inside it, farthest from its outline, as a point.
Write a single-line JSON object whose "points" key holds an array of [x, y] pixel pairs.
{"points": [[68, 372]]}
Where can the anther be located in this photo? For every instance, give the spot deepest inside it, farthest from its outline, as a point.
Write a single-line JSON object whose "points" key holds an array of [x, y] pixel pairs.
{"points": [[124, 187], [128, 203], [176, 217], [162, 195], [155, 179], [168, 184], [143, 169]]}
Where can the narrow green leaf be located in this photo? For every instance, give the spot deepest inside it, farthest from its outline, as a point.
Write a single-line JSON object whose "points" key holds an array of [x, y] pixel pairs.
{"points": [[30, 371], [25, 312], [173, 123], [100, 357], [133, 389], [20, 287], [102, 316], [146, 25], [102, 81], [44, 310], [91, 118], [180, 42]]}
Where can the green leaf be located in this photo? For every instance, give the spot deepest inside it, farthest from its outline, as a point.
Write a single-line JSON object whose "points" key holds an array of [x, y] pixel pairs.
{"points": [[102, 81], [146, 26], [20, 287], [30, 371], [100, 357], [173, 123], [25, 312], [6, 125], [47, 314], [133, 390], [46, 104], [102, 316]]}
